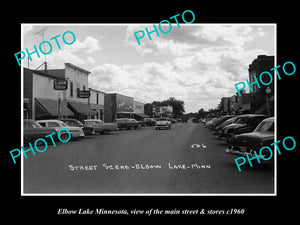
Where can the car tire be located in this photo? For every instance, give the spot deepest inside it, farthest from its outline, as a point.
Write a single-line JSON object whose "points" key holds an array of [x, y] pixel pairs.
{"points": [[64, 136]]}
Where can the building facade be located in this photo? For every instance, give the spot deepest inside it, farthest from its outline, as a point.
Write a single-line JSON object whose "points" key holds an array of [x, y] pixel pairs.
{"points": [[261, 101], [96, 102], [117, 106], [44, 102]]}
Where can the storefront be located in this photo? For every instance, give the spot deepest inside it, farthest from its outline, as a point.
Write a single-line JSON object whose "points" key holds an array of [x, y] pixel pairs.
{"points": [[51, 109], [115, 105], [44, 101]]}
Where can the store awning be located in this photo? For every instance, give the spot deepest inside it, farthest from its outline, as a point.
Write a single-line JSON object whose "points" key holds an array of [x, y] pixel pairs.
{"points": [[50, 107], [81, 108], [141, 115]]}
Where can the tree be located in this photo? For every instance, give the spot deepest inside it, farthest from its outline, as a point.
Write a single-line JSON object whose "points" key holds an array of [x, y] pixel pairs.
{"points": [[202, 113], [178, 105]]}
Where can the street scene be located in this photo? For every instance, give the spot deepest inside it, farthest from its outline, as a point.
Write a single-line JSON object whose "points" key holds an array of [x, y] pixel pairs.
{"points": [[161, 117], [157, 161]]}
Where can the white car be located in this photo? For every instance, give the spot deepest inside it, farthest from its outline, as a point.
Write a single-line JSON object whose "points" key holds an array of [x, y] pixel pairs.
{"points": [[76, 132], [162, 123]]}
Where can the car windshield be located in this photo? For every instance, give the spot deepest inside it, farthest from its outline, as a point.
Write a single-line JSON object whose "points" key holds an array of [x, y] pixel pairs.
{"points": [[32, 124], [265, 126], [63, 124], [98, 122], [242, 120], [78, 123]]}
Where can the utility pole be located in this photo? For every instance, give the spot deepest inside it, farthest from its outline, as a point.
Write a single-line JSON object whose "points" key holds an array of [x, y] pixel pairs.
{"points": [[41, 32]]}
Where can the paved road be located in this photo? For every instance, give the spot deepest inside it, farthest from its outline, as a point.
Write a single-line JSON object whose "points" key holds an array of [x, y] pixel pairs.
{"points": [[144, 161]]}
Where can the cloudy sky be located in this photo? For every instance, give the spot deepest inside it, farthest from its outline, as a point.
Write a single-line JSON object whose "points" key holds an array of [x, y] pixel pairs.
{"points": [[196, 63]]}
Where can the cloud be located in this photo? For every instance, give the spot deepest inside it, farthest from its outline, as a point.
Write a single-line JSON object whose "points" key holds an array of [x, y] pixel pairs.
{"points": [[199, 71], [79, 53], [89, 45], [27, 28]]}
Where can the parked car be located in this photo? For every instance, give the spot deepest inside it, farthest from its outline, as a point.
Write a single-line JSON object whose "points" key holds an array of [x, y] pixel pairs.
{"points": [[245, 144], [126, 123], [220, 120], [219, 128], [140, 123], [33, 130], [149, 121], [87, 129], [172, 120], [163, 123], [76, 132], [209, 121], [100, 127], [244, 124]]}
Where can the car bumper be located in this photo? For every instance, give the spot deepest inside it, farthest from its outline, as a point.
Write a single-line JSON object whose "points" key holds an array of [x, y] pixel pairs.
{"points": [[162, 126], [235, 152]]}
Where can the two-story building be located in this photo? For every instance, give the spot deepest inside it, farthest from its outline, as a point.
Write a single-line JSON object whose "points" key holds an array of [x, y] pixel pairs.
{"points": [[259, 97], [44, 102], [96, 102]]}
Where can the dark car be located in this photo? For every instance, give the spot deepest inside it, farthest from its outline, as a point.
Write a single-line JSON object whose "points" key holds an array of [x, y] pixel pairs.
{"points": [[219, 128], [219, 121], [87, 129], [245, 144], [126, 123], [244, 124], [33, 131], [149, 121]]}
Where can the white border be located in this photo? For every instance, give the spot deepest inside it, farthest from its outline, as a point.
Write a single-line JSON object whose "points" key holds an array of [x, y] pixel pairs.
{"points": [[150, 194]]}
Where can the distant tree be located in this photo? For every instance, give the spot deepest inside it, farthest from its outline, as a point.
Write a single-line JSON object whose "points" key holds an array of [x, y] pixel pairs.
{"points": [[202, 113], [178, 105]]}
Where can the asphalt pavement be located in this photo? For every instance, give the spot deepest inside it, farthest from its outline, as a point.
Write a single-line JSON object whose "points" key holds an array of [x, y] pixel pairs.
{"points": [[187, 159]]}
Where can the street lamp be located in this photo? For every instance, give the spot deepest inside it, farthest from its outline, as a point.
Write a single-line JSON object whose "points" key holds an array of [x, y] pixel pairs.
{"points": [[268, 92]]}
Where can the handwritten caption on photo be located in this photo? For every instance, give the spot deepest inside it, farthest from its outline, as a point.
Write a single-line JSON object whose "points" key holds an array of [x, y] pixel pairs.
{"points": [[59, 134]]}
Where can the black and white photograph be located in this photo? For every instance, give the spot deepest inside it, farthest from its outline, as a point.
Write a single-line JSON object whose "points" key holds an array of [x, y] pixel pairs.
{"points": [[171, 108]]}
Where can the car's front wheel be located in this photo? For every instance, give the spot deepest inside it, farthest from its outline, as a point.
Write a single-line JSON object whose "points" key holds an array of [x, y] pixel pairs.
{"points": [[64, 136]]}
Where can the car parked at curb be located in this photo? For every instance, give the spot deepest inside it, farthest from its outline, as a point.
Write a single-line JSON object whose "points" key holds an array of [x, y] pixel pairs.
{"points": [[33, 130], [219, 121], [87, 129], [76, 132], [100, 127], [149, 121], [247, 143], [126, 123], [244, 124]]}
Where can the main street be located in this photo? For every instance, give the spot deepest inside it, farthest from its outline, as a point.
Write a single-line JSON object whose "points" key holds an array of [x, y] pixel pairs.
{"points": [[145, 161]]}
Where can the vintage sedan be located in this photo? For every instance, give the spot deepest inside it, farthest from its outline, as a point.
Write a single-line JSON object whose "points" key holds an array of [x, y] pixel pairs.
{"points": [[219, 128], [245, 144], [76, 132], [33, 131], [126, 123], [162, 123], [149, 121], [87, 129], [101, 127], [244, 124], [219, 121]]}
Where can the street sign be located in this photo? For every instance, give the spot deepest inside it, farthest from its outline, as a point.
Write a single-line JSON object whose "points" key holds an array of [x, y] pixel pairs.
{"points": [[84, 94], [60, 84]]}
